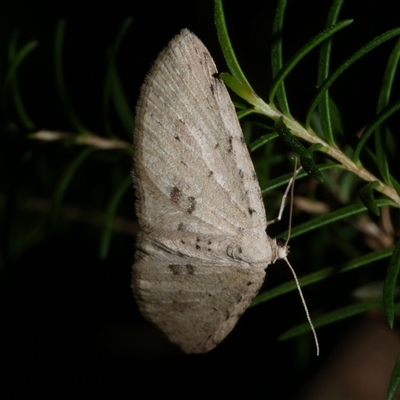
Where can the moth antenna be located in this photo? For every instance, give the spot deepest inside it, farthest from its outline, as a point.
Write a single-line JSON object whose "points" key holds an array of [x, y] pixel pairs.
{"points": [[304, 305]]}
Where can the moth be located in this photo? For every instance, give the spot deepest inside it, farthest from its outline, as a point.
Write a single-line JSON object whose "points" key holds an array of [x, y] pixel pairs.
{"points": [[202, 250]]}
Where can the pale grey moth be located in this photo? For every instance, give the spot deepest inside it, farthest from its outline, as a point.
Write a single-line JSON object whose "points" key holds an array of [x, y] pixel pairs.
{"points": [[202, 249]]}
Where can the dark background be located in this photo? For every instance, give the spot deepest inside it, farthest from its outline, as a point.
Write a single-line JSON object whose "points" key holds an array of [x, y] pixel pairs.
{"points": [[72, 328]]}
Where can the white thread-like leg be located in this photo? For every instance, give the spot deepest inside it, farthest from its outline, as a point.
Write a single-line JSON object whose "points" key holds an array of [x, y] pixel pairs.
{"points": [[284, 197]]}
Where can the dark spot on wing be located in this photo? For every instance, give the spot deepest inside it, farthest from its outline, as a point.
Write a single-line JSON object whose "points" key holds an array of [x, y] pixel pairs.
{"points": [[251, 211], [181, 227], [177, 138], [192, 204], [241, 173], [198, 247], [216, 146], [254, 176], [240, 250], [211, 173], [197, 239], [190, 269], [174, 268], [239, 299], [175, 195], [242, 140], [230, 147]]}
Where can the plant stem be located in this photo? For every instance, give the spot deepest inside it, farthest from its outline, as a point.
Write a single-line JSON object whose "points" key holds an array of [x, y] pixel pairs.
{"points": [[298, 130]]}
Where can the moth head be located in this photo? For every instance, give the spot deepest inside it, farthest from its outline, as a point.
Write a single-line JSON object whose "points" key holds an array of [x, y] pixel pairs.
{"points": [[283, 248]]}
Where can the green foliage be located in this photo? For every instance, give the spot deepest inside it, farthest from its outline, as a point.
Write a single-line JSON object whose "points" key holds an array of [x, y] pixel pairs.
{"points": [[389, 289], [326, 143]]}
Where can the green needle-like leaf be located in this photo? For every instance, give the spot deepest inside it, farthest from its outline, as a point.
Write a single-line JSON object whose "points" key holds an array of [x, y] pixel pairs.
{"points": [[383, 102], [367, 197], [330, 318], [323, 72], [294, 60], [242, 91], [276, 55], [262, 140], [226, 46], [323, 274], [60, 82], [284, 179], [112, 209], [333, 216], [392, 274], [394, 380], [113, 89], [16, 57], [381, 117], [364, 50], [66, 180]]}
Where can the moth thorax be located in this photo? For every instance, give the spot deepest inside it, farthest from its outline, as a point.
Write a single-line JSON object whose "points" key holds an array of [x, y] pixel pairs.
{"points": [[282, 248]]}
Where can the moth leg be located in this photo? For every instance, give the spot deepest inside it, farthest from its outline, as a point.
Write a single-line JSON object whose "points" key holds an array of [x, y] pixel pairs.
{"points": [[285, 195]]}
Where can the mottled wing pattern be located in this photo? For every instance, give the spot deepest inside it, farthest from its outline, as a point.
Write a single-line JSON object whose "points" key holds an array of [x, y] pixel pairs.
{"points": [[194, 308], [189, 148], [203, 249]]}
